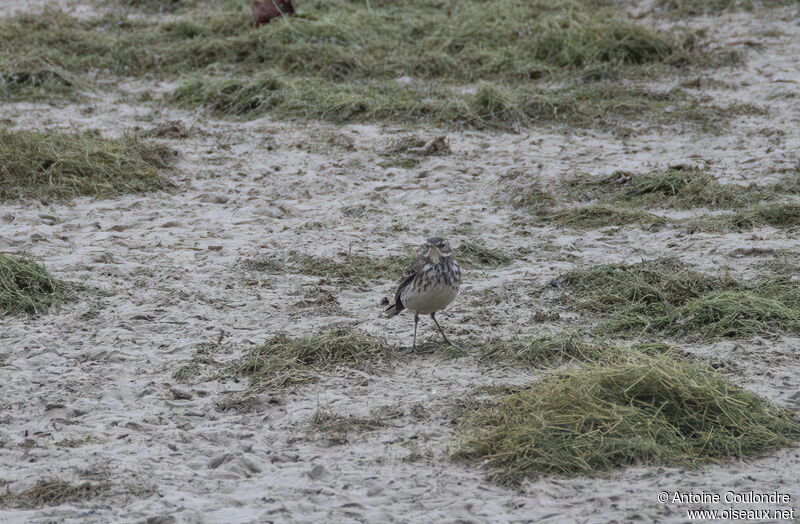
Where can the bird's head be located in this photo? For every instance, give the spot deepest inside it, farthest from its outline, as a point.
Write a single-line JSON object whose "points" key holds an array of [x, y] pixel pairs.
{"points": [[436, 247]]}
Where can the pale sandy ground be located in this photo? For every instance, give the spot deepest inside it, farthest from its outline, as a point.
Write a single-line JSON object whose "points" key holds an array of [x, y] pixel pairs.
{"points": [[164, 275]]}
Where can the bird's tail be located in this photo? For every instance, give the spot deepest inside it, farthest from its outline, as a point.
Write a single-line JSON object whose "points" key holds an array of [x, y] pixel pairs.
{"points": [[394, 309]]}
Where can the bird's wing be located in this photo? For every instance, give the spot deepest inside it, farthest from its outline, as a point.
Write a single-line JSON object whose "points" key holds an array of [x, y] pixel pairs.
{"points": [[408, 276]]}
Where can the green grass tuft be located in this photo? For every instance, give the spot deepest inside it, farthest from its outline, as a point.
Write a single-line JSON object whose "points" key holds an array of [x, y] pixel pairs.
{"points": [[26, 286], [458, 65], [638, 410], [734, 313], [45, 164], [668, 297], [648, 285], [284, 361], [625, 198], [492, 106], [352, 40]]}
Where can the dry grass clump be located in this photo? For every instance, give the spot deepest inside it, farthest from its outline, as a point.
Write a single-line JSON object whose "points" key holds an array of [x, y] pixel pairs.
{"points": [[473, 254], [337, 102], [418, 62], [46, 164], [258, 95], [635, 410], [514, 41], [781, 215], [735, 313], [529, 195], [624, 198], [547, 350], [35, 79], [457, 65], [594, 216], [352, 269], [52, 493], [540, 351], [199, 365], [267, 264], [666, 296], [419, 146], [681, 188], [645, 285], [336, 428], [284, 361], [26, 286], [491, 105], [408, 151]]}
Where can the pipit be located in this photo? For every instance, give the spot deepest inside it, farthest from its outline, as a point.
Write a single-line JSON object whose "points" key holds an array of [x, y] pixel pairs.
{"points": [[429, 285]]}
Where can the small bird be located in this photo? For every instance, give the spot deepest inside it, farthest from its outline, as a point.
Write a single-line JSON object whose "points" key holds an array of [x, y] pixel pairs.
{"points": [[429, 285]]}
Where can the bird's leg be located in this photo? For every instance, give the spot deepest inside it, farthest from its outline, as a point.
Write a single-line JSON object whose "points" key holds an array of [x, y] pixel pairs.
{"points": [[433, 316], [416, 320]]}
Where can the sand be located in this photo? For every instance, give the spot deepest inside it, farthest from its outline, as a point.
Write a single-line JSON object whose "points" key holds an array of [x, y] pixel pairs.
{"points": [[164, 274]]}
